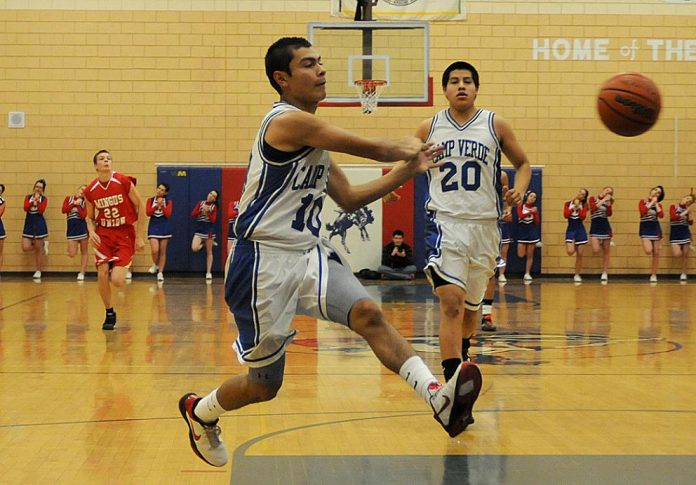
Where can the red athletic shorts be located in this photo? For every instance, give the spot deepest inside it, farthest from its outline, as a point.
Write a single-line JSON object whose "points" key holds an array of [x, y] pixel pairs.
{"points": [[117, 245]]}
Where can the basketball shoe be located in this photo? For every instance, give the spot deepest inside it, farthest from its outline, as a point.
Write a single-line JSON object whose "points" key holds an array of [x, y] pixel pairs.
{"points": [[109, 321], [453, 403], [204, 438], [487, 323]]}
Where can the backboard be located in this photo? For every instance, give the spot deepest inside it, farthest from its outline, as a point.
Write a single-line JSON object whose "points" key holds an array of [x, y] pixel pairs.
{"points": [[396, 52]]}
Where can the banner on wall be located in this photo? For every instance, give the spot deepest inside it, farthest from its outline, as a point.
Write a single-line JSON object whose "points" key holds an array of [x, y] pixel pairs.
{"points": [[404, 9], [356, 235]]}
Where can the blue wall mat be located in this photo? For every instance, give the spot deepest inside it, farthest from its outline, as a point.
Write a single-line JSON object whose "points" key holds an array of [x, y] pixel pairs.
{"points": [[188, 185]]}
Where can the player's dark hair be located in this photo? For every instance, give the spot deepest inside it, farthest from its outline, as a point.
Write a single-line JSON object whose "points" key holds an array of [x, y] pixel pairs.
{"points": [[94, 158], [279, 56], [166, 187], [42, 182], [460, 65], [662, 192], [2, 189], [526, 196], [398, 232]]}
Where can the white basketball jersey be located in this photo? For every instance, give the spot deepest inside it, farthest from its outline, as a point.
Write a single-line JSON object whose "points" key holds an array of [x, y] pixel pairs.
{"points": [[283, 192], [468, 185]]}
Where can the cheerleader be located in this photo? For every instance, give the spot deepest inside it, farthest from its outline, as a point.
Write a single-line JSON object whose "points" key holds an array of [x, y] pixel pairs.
{"points": [[528, 231], [205, 213], [650, 231], [575, 212], [159, 229], [232, 213], [35, 229], [680, 218], [76, 210], [3, 235], [600, 229]]}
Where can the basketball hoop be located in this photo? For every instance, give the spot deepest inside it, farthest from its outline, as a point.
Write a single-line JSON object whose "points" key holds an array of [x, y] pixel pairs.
{"points": [[369, 91]]}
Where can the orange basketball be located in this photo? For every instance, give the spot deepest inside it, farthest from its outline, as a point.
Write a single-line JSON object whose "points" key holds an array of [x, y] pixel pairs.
{"points": [[629, 103]]}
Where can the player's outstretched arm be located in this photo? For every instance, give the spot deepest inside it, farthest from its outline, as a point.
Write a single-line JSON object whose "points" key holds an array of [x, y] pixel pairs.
{"points": [[294, 130], [94, 239], [514, 152], [352, 197]]}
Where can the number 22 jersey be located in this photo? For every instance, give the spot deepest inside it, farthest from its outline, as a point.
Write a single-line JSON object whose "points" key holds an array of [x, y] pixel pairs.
{"points": [[112, 207], [467, 186]]}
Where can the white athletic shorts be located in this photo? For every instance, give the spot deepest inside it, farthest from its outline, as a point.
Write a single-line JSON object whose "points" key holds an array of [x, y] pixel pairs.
{"points": [[265, 287], [464, 254]]}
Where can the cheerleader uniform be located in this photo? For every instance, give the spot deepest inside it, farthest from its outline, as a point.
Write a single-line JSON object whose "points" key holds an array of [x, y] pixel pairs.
{"points": [[205, 221], [649, 224], [575, 232], [599, 219], [3, 235], [159, 226], [76, 212], [34, 223], [528, 230], [679, 231]]}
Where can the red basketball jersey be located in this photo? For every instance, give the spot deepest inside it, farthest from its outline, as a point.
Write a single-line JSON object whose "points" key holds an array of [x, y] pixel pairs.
{"points": [[112, 207]]}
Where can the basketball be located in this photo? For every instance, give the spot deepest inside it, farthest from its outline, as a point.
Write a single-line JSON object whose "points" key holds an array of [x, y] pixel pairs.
{"points": [[629, 104]]}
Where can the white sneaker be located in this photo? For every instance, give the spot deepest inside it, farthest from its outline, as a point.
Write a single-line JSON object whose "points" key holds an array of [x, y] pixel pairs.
{"points": [[129, 275], [502, 278], [209, 276], [80, 276], [153, 269], [604, 277], [37, 275], [527, 277], [653, 278], [160, 276], [453, 403], [682, 277], [204, 438], [577, 278], [46, 248]]}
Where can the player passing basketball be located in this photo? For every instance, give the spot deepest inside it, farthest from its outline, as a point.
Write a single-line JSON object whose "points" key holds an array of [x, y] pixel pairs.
{"points": [[463, 206], [281, 267], [113, 205]]}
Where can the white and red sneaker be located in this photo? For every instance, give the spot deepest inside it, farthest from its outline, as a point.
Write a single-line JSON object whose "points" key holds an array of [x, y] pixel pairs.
{"points": [[453, 403], [204, 438]]}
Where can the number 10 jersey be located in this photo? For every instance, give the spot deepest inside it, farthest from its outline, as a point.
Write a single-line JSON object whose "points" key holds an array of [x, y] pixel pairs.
{"points": [[467, 186], [283, 193]]}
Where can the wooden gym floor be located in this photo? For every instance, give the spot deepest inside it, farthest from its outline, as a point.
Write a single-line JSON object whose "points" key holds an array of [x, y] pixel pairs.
{"points": [[582, 384]]}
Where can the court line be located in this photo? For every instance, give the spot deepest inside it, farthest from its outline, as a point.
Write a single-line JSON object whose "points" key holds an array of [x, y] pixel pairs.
{"points": [[382, 414], [22, 301]]}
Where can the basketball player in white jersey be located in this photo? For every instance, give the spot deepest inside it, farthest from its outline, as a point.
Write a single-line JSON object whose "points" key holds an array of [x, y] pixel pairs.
{"points": [[463, 206], [280, 266]]}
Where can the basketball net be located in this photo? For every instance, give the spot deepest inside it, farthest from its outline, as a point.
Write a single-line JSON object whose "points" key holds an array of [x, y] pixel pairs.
{"points": [[369, 91]]}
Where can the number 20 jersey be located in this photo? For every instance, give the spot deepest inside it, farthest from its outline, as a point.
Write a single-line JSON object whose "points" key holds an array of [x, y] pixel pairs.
{"points": [[467, 186], [283, 193]]}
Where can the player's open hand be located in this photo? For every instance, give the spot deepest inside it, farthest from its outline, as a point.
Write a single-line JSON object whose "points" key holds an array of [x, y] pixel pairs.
{"points": [[513, 197], [425, 159], [391, 197]]}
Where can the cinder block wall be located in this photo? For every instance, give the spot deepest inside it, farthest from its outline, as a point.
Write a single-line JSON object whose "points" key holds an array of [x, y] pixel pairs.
{"points": [[185, 83]]}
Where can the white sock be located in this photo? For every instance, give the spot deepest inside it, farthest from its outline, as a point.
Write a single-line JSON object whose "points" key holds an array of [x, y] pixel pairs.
{"points": [[418, 376], [486, 309], [208, 408]]}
